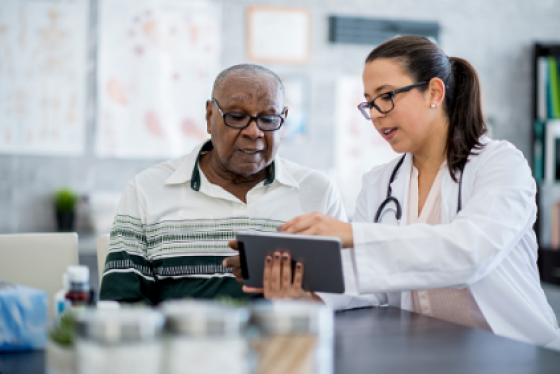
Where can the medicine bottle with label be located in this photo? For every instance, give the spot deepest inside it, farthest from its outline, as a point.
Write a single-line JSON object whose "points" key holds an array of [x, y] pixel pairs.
{"points": [[60, 301], [79, 293]]}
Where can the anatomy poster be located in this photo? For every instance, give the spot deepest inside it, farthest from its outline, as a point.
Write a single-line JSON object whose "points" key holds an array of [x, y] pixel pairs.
{"points": [[43, 52], [359, 147], [157, 62]]}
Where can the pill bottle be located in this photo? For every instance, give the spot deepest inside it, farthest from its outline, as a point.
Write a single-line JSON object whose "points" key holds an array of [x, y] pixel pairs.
{"points": [[79, 293], [205, 337], [293, 337], [119, 341]]}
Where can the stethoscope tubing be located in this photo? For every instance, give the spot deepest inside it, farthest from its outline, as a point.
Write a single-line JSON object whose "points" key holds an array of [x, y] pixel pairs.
{"points": [[389, 198]]}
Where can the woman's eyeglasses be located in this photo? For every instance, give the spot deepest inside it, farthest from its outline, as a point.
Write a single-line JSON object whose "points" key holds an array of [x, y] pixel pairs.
{"points": [[384, 103]]}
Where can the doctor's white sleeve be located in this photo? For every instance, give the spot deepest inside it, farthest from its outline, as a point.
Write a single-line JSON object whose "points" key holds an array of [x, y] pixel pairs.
{"points": [[498, 213]]}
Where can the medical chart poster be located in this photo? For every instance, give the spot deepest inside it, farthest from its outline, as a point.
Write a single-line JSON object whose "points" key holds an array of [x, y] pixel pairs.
{"points": [[157, 62], [296, 90], [43, 75], [358, 146]]}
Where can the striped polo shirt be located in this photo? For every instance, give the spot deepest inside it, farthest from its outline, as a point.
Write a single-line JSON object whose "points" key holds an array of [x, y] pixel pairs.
{"points": [[172, 226]]}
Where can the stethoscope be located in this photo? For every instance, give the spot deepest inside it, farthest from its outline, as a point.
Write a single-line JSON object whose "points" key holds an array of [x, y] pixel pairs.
{"points": [[390, 198]]}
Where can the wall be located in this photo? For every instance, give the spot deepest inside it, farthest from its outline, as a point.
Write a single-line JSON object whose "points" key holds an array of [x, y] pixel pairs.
{"points": [[496, 36]]}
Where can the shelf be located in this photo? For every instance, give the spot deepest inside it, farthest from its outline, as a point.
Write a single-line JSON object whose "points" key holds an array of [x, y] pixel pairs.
{"points": [[549, 265], [546, 49], [549, 259]]}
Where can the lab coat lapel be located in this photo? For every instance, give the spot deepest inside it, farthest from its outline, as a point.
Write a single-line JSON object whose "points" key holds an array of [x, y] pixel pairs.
{"points": [[401, 186], [450, 197]]}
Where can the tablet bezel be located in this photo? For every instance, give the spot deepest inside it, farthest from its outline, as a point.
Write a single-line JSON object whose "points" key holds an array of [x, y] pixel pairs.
{"points": [[321, 255]]}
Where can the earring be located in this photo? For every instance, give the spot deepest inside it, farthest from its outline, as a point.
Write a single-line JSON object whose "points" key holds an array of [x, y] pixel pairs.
{"points": [[433, 106]]}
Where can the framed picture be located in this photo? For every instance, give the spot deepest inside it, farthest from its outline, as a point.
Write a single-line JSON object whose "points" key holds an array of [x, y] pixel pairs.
{"points": [[278, 34], [552, 151]]}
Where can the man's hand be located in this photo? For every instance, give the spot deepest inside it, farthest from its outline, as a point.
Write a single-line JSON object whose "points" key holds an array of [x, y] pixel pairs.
{"points": [[234, 263], [320, 224]]}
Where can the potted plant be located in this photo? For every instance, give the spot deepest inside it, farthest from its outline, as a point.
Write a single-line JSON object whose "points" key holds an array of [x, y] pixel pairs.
{"points": [[65, 203]]}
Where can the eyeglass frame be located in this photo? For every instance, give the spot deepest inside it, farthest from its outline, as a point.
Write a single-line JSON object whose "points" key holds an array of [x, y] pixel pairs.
{"points": [[251, 118], [371, 104]]}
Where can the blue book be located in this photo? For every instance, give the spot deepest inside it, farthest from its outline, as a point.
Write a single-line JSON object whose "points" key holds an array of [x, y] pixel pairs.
{"points": [[538, 151], [549, 95]]}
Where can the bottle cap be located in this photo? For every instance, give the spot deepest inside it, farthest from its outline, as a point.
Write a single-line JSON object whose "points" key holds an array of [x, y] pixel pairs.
{"points": [[78, 274], [292, 316], [122, 325], [204, 318], [108, 305]]}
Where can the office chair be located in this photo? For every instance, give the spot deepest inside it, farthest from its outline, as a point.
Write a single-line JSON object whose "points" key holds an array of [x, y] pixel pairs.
{"points": [[38, 260], [102, 249]]}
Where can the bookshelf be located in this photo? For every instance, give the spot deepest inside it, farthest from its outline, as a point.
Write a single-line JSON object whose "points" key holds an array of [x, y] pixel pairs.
{"points": [[546, 156]]}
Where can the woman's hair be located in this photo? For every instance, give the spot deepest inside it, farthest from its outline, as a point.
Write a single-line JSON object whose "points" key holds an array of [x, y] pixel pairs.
{"points": [[423, 60]]}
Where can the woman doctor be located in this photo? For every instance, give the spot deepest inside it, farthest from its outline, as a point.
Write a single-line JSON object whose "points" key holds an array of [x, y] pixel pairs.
{"points": [[446, 229]]}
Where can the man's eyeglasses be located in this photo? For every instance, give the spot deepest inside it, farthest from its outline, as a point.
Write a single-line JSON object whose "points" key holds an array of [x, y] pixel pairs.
{"points": [[240, 120], [384, 103]]}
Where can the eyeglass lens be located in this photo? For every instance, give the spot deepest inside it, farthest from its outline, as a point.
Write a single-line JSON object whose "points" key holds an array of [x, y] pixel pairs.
{"points": [[264, 122], [382, 103]]}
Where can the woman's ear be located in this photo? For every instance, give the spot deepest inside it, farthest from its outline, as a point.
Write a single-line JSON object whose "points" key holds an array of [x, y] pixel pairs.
{"points": [[436, 92]]}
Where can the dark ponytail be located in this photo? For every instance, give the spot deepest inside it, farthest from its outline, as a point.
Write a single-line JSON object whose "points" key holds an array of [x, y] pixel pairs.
{"points": [[423, 60]]}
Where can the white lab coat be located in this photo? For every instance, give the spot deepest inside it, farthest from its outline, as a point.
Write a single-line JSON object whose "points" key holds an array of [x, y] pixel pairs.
{"points": [[489, 247]]}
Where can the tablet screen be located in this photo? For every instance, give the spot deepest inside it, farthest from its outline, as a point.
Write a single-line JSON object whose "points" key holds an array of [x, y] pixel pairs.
{"points": [[320, 255]]}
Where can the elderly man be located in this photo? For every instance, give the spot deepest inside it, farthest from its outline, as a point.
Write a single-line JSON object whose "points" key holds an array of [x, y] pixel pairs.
{"points": [[171, 232]]}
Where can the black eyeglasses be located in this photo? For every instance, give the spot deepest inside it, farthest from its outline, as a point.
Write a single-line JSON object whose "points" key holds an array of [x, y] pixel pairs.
{"points": [[384, 103], [240, 120]]}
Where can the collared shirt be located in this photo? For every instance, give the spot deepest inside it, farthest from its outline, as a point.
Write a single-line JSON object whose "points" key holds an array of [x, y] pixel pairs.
{"points": [[172, 227]]}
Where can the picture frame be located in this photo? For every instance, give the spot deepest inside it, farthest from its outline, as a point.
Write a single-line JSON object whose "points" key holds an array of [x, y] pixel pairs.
{"points": [[552, 151], [278, 34]]}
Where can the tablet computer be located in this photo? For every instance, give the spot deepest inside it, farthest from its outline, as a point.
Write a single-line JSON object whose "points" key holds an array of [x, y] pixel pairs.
{"points": [[321, 256]]}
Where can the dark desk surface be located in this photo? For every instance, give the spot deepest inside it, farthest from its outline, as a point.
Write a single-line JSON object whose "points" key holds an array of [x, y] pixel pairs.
{"points": [[389, 340]]}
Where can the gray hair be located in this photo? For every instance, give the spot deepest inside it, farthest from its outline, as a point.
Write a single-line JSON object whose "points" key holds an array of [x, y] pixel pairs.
{"points": [[248, 69]]}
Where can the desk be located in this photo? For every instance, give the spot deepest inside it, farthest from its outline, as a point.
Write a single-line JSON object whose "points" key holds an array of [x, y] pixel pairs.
{"points": [[390, 340]]}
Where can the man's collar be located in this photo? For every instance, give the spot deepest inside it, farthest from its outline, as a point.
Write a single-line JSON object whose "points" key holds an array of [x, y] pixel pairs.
{"points": [[195, 178], [188, 170], [188, 163]]}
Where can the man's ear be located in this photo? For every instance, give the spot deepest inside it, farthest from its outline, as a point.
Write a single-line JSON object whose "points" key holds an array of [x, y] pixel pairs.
{"points": [[285, 112], [209, 108], [437, 92]]}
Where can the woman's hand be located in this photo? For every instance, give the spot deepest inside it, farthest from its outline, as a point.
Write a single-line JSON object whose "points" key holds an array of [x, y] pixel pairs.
{"points": [[278, 282], [320, 224]]}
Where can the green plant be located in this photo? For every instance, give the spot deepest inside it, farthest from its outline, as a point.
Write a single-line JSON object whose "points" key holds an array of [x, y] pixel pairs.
{"points": [[65, 200], [64, 331]]}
